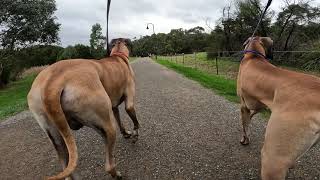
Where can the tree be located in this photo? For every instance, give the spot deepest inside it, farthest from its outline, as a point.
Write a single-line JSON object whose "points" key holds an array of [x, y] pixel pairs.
{"points": [[83, 51], [26, 22], [75, 52], [296, 23], [97, 42], [239, 22], [68, 53]]}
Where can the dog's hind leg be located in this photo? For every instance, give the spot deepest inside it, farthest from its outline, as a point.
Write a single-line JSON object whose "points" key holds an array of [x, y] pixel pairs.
{"points": [[132, 114], [56, 139], [245, 120], [286, 139], [100, 117], [61, 149], [126, 134], [108, 132], [129, 103]]}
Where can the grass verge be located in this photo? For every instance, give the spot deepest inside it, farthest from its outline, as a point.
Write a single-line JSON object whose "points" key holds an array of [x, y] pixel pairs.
{"points": [[219, 84], [13, 99]]}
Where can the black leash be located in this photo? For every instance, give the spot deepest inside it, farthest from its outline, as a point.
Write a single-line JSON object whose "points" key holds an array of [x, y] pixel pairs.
{"points": [[260, 20], [107, 34]]}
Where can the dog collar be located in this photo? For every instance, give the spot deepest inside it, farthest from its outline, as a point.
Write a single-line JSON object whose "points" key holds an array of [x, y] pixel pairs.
{"points": [[120, 54], [254, 52]]}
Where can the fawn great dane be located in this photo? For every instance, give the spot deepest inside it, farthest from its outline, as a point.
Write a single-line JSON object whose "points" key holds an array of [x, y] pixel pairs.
{"points": [[293, 98], [72, 93]]}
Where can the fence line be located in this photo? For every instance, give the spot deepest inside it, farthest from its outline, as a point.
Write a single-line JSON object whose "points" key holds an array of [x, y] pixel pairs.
{"points": [[227, 62]]}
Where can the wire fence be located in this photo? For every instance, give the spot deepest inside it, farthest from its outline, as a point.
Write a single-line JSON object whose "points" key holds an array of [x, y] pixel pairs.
{"points": [[227, 62]]}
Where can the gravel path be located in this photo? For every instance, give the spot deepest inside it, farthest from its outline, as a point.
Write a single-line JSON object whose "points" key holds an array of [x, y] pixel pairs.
{"points": [[187, 132]]}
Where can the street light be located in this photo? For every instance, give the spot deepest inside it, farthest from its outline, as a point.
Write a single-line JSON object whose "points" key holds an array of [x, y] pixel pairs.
{"points": [[152, 27], [155, 48]]}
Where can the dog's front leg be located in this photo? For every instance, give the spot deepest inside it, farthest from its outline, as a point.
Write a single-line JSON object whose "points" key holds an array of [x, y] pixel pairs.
{"points": [[126, 134], [245, 120]]}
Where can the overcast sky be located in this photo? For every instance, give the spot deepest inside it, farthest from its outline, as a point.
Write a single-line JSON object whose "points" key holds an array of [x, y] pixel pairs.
{"points": [[128, 18]]}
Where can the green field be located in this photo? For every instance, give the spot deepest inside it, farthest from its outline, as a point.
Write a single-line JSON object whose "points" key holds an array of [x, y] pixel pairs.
{"points": [[221, 85], [226, 67], [13, 99]]}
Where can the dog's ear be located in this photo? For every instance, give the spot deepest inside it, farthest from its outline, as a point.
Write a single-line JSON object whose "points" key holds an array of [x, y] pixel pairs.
{"points": [[268, 46], [266, 41], [113, 42], [128, 43]]}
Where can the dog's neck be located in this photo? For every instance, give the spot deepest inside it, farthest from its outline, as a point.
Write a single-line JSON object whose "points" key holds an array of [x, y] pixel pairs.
{"points": [[254, 46], [120, 54], [261, 71]]}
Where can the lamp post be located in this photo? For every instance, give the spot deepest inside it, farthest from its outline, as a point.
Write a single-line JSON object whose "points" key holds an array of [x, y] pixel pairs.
{"points": [[154, 34], [152, 27]]}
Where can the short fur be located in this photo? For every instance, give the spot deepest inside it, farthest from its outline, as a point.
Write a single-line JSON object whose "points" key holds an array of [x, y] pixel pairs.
{"points": [[72, 93], [292, 97]]}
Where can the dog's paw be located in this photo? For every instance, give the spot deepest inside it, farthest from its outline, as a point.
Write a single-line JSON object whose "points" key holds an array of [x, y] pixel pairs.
{"points": [[135, 136], [127, 134], [245, 140], [115, 174], [118, 176]]}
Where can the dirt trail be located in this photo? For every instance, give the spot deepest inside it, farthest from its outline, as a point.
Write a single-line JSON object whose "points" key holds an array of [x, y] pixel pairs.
{"points": [[187, 132]]}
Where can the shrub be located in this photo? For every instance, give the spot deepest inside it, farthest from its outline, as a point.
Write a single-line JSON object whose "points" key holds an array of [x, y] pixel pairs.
{"points": [[77, 51]]}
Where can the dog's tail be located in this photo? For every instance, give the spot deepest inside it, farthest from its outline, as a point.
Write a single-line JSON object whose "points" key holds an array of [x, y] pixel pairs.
{"points": [[53, 108]]}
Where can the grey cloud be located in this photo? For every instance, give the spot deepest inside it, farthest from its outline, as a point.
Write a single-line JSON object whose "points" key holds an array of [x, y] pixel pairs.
{"points": [[129, 17]]}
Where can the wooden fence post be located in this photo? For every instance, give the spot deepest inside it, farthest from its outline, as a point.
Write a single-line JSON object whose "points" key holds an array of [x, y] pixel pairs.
{"points": [[195, 59], [176, 59], [217, 67], [183, 58]]}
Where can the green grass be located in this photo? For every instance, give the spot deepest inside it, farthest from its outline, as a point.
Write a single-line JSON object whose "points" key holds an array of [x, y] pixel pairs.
{"points": [[13, 99], [226, 66], [219, 84]]}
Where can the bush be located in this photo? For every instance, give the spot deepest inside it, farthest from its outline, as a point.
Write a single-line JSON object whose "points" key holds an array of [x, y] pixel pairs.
{"points": [[13, 62], [83, 51], [38, 55], [77, 51], [68, 53]]}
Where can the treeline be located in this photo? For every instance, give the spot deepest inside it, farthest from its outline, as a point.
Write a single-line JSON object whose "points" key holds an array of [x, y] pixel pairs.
{"points": [[295, 27], [29, 37], [177, 41]]}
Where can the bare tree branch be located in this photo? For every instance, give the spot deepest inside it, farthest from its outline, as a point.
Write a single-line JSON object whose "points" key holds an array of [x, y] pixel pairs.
{"points": [[208, 24]]}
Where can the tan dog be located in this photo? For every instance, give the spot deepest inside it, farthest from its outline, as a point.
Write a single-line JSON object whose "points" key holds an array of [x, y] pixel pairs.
{"points": [[73, 93], [292, 97]]}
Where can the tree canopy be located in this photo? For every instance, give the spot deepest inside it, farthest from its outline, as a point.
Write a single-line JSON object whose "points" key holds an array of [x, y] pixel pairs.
{"points": [[26, 22], [295, 27]]}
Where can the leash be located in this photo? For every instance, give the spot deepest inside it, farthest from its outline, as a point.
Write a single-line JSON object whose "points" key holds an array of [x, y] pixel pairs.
{"points": [[254, 52], [260, 20], [107, 33]]}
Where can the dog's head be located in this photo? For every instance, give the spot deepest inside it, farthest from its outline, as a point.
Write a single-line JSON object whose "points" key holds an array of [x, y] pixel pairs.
{"points": [[265, 42], [121, 45]]}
